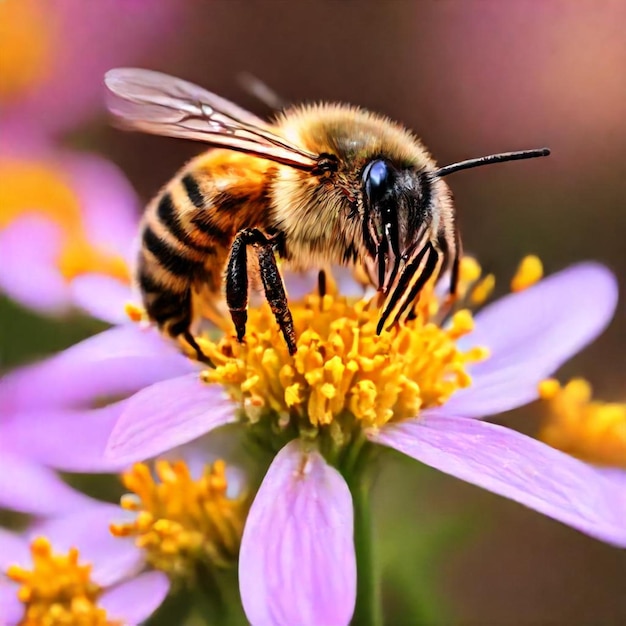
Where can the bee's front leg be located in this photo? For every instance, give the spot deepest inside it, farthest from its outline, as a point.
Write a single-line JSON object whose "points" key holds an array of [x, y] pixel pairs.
{"points": [[411, 281], [237, 284]]}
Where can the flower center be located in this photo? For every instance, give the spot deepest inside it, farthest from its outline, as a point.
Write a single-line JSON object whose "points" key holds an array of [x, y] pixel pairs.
{"points": [[37, 188], [181, 522], [590, 430], [58, 590], [26, 43], [343, 374]]}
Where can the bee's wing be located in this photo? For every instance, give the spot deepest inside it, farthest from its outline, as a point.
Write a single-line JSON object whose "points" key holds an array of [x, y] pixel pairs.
{"points": [[163, 105]]}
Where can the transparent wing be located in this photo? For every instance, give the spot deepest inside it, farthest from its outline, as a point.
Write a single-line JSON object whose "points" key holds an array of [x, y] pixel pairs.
{"points": [[156, 103]]}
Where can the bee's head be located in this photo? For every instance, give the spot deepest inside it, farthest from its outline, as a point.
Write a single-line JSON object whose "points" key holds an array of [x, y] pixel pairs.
{"points": [[398, 213]]}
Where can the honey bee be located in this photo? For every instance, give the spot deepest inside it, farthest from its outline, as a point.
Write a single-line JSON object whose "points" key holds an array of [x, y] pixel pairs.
{"points": [[323, 184]]}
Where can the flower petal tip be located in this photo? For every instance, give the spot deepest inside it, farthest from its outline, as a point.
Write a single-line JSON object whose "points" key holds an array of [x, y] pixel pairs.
{"points": [[520, 468], [168, 414]]}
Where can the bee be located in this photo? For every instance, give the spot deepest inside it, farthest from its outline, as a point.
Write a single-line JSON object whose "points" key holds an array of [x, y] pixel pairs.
{"points": [[322, 184]]}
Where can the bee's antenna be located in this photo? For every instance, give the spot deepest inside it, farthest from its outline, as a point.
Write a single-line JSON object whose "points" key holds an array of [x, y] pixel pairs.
{"points": [[492, 158], [261, 91]]}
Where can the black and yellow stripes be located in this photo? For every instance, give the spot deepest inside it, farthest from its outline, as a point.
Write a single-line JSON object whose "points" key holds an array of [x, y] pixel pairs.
{"points": [[187, 234], [192, 189], [169, 218], [178, 261]]}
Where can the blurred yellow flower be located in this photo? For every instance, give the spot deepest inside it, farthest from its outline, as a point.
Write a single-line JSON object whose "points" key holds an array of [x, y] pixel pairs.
{"points": [[27, 37], [591, 430]]}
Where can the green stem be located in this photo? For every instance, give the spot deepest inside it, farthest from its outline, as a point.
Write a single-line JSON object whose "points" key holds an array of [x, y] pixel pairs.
{"points": [[218, 595], [368, 610]]}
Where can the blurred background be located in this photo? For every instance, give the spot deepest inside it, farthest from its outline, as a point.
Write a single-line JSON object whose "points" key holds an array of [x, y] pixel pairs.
{"points": [[471, 78]]}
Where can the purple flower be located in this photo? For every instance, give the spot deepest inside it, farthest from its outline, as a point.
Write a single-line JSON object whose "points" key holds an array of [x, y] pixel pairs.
{"points": [[53, 56], [129, 600], [66, 229], [67, 219], [28, 487], [421, 388], [188, 513]]}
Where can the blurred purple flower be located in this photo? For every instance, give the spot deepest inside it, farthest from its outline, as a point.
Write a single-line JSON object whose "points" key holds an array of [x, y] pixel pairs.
{"points": [[121, 561], [106, 365], [126, 594], [27, 487], [67, 224], [53, 55], [302, 498], [67, 219]]}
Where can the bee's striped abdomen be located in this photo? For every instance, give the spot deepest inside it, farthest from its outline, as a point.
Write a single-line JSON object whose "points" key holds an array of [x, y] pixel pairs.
{"points": [[187, 232]]}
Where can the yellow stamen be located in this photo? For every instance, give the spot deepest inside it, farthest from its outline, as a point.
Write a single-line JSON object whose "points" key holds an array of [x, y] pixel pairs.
{"points": [[182, 522], [529, 272], [469, 270], [343, 373], [27, 37], [590, 430], [134, 312], [475, 288], [483, 289], [58, 590], [40, 189]]}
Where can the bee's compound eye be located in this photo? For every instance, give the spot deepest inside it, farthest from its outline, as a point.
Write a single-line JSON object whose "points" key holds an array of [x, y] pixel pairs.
{"points": [[376, 178]]}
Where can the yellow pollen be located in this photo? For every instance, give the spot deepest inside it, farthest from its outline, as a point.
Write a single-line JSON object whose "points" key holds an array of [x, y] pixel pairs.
{"points": [[472, 286], [469, 270], [529, 272], [591, 430], [39, 189], [58, 590], [27, 34], [343, 374], [134, 312], [483, 289], [181, 522]]}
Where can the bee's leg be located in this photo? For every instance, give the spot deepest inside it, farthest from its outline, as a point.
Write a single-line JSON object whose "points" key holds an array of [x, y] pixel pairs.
{"points": [[432, 264], [429, 258], [321, 283], [454, 271], [237, 284], [181, 328], [275, 293], [397, 296], [203, 358], [439, 264]]}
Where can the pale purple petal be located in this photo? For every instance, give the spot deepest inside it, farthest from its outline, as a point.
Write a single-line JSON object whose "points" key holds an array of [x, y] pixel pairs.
{"points": [[30, 246], [71, 440], [14, 549], [520, 468], [32, 243], [116, 362], [133, 601], [530, 334], [11, 609], [299, 284], [102, 296], [28, 487], [110, 207], [166, 415], [113, 558], [297, 563]]}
